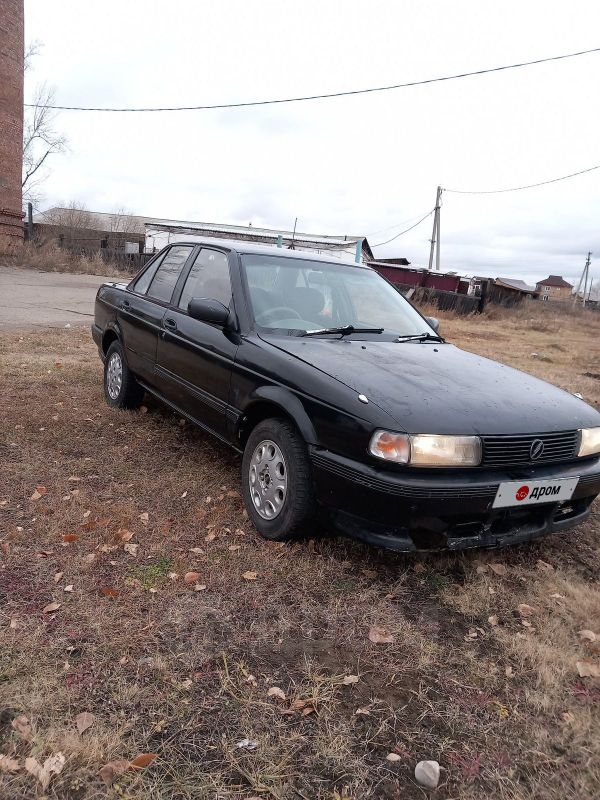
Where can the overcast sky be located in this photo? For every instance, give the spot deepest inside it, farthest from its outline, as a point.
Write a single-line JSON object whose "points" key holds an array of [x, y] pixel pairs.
{"points": [[356, 165]]}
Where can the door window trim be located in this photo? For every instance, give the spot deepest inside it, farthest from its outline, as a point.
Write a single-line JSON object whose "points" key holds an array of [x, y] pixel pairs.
{"points": [[186, 271], [160, 258]]}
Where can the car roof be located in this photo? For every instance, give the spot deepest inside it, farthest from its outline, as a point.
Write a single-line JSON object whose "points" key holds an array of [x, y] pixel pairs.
{"points": [[250, 248]]}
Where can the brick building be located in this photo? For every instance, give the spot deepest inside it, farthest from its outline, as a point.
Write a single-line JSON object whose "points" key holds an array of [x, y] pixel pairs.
{"points": [[11, 123], [554, 287]]}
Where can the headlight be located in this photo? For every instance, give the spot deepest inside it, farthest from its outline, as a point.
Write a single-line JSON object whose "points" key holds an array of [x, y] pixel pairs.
{"points": [[590, 442], [426, 450]]}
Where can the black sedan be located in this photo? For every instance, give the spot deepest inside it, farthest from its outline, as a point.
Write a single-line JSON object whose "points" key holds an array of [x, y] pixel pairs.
{"points": [[348, 407]]}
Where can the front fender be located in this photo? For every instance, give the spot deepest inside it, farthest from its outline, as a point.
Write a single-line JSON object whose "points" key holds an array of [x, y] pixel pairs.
{"points": [[289, 404]]}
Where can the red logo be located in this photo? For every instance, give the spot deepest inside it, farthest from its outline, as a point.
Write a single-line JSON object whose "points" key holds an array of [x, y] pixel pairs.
{"points": [[522, 493]]}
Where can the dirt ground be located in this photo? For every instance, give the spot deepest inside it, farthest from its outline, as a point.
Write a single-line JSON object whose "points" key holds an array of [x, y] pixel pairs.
{"points": [[256, 677]]}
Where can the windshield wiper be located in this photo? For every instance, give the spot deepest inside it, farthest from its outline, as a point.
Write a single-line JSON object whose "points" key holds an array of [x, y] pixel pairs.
{"points": [[345, 330], [420, 337]]}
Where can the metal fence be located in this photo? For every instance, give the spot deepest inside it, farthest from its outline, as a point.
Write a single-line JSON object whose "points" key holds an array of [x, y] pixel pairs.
{"points": [[129, 262]]}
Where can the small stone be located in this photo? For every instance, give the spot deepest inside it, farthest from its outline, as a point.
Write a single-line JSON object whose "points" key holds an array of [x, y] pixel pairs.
{"points": [[427, 773]]}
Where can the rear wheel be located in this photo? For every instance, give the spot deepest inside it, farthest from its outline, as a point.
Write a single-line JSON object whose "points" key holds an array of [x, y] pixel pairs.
{"points": [[277, 482], [121, 389]]}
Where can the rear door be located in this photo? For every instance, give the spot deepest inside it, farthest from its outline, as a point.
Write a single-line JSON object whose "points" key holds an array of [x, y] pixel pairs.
{"points": [[143, 307], [195, 358]]}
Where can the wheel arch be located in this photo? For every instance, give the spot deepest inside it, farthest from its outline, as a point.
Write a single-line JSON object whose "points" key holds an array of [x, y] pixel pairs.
{"points": [[109, 336], [274, 401]]}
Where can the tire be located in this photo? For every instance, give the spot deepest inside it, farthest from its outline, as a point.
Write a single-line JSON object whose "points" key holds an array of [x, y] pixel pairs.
{"points": [[124, 394], [282, 467]]}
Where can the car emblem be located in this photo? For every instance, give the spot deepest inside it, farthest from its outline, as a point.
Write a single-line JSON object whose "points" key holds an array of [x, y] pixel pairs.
{"points": [[536, 450]]}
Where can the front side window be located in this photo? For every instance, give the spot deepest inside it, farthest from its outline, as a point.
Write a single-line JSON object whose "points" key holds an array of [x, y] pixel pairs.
{"points": [[143, 282], [208, 279], [169, 270], [300, 295]]}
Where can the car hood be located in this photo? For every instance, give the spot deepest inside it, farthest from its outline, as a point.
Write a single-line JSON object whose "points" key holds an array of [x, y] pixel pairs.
{"points": [[442, 389]]}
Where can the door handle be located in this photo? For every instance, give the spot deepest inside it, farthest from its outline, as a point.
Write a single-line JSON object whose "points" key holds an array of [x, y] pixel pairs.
{"points": [[125, 304], [170, 324]]}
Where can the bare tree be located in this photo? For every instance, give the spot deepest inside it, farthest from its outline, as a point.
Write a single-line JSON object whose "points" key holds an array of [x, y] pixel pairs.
{"points": [[123, 226], [40, 139], [73, 223]]}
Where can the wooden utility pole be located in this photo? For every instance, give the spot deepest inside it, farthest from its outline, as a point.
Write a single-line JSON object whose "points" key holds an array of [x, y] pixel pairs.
{"points": [[435, 234], [583, 279]]}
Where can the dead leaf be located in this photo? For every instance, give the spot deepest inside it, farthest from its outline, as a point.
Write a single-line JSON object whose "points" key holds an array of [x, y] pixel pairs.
{"points": [[275, 691], [131, 548], [50, 608], [58, 576], [13, 623], [53, 765], [379, 635], [196, 550], [364, 710], [84, 721], [108, 592], [21, 725], [143, 760], [70, 537], [112, 770], [419, 568], [393, 757], [588, 668], [350, 679], [124, 534], [144, 518], [498, 569], [199, 587], [234, 547], [493, 620], [568, 717], [557, 596], [191, 577], [587, 635], [526, 610], [481, 569], [73, 478], [8, 764], [509, 672], [249, 575], [68, 588], [210, 537], [543, 566]]}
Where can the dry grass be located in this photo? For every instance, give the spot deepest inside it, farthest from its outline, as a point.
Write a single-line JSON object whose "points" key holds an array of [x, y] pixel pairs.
{"points": [[183, 673], [48, 257]]}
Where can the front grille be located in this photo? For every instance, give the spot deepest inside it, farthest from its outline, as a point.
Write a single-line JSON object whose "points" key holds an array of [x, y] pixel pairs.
{"points": [[499, 451]]}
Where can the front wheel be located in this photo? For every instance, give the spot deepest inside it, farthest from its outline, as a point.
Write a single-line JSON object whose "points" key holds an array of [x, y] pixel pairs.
{"points": [[121, 389], [277, 482]]}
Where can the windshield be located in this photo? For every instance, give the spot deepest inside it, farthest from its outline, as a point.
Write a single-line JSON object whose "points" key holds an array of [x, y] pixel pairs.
{"points": [[294, 295]]}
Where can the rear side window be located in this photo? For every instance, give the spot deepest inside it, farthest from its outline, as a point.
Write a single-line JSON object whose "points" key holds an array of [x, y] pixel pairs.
{"points": [[143, 282], [169, 270], [208, 278]]}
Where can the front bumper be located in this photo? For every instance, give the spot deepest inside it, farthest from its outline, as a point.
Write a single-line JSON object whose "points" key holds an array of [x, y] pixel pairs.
{"points": [[434, 510]]}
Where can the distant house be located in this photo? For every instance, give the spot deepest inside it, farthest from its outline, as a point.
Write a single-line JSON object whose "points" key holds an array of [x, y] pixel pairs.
{"points": [[511, 291], [554, 287], [76, 227]]}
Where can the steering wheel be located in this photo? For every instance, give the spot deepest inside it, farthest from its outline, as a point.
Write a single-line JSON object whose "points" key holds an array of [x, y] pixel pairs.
{"points": [[266, 316]]}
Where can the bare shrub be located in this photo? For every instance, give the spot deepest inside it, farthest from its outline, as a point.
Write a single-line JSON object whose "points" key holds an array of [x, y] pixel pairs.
{"points": [[48, 257]]}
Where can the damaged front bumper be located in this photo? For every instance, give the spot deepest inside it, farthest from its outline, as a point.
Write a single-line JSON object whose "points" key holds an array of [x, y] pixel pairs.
{"points": [[444, 510]]}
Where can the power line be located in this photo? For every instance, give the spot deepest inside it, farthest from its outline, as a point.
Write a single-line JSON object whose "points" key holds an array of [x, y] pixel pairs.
{"points": [[428, 214], [328, 95], [528, 186], [392, 227]]}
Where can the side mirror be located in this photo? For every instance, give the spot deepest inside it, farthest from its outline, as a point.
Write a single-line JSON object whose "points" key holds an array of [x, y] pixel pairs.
{"points": [[207, 310], [434, 322]]}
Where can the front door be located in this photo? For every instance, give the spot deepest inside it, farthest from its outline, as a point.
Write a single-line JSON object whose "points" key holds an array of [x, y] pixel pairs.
{"points": [[142, 310], [195, 358]]}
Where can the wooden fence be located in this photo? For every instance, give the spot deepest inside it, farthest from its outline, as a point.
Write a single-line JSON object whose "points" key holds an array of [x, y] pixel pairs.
{"points": [[130, 262]]}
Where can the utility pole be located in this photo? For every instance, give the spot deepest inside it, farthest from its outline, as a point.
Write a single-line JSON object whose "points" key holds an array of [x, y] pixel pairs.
{"points": [[583, 279], [435, 234]]}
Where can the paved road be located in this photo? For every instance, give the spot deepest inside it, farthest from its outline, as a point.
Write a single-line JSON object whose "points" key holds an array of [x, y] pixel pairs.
{"points": [[32, 299]]}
